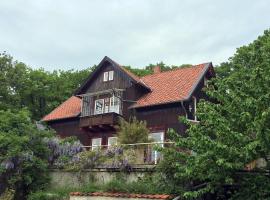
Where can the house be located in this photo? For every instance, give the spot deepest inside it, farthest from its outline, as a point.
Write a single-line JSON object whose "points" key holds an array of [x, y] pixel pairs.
{"points": [[112, 92]]}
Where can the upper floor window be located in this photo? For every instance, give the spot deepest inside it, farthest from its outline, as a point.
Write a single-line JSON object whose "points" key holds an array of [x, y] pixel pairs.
{"points": [[191, 112], [107, 105], [108, 76], [99, 106]]}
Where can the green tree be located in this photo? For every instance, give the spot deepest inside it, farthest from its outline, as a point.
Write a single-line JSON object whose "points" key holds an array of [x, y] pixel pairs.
{"points": [[132, 132], [23, 154], [232, 132], [38, 90]]}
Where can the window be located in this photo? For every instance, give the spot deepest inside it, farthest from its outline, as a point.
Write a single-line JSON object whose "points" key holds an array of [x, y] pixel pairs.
{"points": [[99, 104], [105, 76], [191, 112], [96, 143], [106, 105], [115, 104], [112, 141], [157, 137], [108, 76], [205, 80]]}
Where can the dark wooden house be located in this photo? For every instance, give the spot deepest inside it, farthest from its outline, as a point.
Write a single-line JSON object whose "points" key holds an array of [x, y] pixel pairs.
{"points": [[111, 92]]}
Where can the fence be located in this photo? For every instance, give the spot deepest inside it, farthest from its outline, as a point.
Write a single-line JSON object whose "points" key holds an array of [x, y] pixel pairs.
{"points": [[138, 153]]}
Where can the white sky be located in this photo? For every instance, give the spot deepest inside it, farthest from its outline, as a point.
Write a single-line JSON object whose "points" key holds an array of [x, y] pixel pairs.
{"points": [[61, 34]]}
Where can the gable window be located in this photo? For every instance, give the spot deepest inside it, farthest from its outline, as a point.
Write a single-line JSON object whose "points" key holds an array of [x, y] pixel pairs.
{"points": [[191, 112], [99, 106], [96, 143], [105, 76], [111, 75], [112, 141], [108, 76]]}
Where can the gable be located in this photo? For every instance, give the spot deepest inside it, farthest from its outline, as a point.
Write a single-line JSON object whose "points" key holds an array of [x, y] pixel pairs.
{"points": [[122, 78]]}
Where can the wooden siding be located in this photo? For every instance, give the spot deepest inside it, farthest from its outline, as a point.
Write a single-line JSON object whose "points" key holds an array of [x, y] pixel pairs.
{"points": [[101, 119], [70, 127], [163, 117], [120, 80]]}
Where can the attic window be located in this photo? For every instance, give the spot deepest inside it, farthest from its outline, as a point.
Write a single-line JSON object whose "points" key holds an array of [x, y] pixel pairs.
{"points": [[108, 76]]}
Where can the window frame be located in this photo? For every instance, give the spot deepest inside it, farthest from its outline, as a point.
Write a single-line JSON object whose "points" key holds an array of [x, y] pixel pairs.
{"points": [[112, 137], [93, 147], [105, 76], [102, 109], [195, 110], [110, 75]]}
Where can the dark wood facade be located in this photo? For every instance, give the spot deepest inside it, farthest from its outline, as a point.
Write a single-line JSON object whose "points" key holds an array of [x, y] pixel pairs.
{"points": [[91, 125]]}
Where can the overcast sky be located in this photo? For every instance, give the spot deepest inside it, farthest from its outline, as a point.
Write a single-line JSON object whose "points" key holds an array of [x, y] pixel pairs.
{"points": [[61, 34]]}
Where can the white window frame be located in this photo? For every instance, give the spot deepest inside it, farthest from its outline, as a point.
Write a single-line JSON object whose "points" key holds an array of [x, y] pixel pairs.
{"points": [[96, 146], [111, 74], [105, 76], [195, 111], [113, 107], [155, 154], [109, 139], [107, 107], [102, 109]]}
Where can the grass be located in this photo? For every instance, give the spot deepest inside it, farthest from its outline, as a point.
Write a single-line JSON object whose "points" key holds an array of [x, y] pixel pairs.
{"points": [[141, 186]]}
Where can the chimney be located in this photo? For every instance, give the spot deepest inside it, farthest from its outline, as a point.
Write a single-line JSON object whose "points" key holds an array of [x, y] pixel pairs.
{"points": [[156, 69]]}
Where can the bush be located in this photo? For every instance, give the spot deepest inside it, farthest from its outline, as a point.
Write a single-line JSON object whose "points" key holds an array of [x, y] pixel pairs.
{"points": [[133, 132], [44, 196], [23, 155]]}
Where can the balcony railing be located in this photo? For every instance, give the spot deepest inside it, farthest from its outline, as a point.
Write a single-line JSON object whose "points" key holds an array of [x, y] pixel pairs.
{"points": [[135, 154]]}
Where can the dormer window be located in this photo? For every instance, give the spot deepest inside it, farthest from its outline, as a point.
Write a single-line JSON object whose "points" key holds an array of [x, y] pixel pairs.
{"points": [[108, 76]]}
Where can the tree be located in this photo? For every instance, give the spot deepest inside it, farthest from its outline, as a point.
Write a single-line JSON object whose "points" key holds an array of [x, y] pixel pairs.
{"points": [[23, 154], [35, 89], [232, 132], [132, 132]]}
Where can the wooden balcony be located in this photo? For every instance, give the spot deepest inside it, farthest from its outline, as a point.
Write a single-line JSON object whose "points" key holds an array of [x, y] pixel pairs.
{"points": [[100, 122]]}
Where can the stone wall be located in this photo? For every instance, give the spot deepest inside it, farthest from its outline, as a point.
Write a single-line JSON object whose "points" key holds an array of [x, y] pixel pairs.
{"points": [[61, 178]]}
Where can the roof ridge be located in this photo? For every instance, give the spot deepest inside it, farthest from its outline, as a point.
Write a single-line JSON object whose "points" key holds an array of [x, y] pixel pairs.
{"points": [[176, 69]]}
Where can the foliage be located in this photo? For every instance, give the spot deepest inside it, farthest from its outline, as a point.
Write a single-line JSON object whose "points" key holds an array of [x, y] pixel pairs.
{"points": [[149, 69], [62, 151], [113, 158], [36, 89], [23, 154], [233, 131], [144, 185], [132, 132]]}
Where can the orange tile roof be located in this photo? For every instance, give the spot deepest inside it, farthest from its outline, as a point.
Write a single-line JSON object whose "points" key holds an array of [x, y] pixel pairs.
{"points": [[70, 108], [123, 195], [171, 86], [166, 87]]}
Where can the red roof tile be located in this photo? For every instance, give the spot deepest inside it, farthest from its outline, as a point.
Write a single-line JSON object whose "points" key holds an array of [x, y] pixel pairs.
{"points": [[70, 108], [123, 195], [170, 86], [166, 87]]}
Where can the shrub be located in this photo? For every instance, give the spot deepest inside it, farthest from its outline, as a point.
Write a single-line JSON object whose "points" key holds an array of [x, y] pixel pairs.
{"points": [[133, 132]]}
